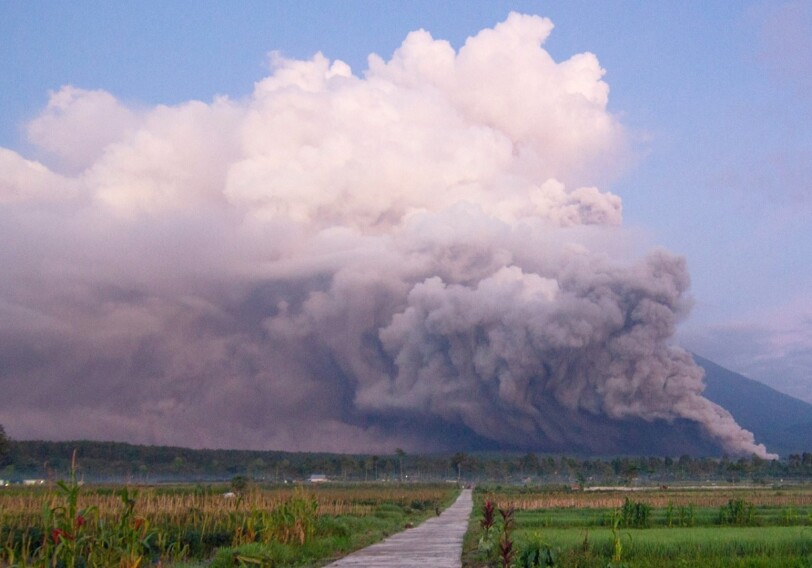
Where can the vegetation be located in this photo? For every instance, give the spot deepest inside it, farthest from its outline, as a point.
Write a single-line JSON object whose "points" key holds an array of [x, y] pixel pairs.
{"points": [[70, 525], [112, 461], [5, 446], [253, 509], [660, 527]]}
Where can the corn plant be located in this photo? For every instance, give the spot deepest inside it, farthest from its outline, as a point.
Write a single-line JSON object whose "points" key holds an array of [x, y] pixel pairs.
{"points": [[130, 540], [789, 517], [737, 512], [617, 541], [294, 521], [635, 514], [103, 527], [67, 538], [687, 517], [76, 537]]}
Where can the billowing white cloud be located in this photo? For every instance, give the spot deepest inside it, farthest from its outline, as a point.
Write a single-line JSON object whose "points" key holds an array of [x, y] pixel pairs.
{"points": [[77, 125], [26, 180], [411, 257]]}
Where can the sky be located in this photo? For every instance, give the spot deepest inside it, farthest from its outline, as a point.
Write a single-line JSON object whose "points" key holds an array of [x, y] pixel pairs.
{"points": [[699, 124]]}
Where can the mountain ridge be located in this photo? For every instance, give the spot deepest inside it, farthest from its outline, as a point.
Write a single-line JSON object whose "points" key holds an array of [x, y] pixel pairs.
{"points": [[781, 422]]}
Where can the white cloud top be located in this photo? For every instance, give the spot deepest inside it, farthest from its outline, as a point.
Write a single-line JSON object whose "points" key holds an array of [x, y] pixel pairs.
{"points": [[377, 256]]}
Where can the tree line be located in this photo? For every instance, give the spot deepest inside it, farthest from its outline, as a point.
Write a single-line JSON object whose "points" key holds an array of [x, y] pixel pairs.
{"points": [[116, 461]]}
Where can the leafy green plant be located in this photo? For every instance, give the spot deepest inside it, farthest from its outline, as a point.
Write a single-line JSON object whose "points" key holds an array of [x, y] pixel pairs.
{"points": [[67, 539], [535, 553], [129, 541], [294, 521], [679, 516], [635, 514], [617, 542], [76, 537], [789, 516], [487, 542], [737, 512], [687, 517]]}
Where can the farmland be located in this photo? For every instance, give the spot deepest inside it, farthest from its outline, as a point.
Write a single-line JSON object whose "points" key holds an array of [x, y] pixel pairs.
{"points": [[244, 523], [653, 528], [71, 525]]}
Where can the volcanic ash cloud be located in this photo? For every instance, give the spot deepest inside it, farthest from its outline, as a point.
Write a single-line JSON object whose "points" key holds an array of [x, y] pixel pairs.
{"points": [[342, 262]]}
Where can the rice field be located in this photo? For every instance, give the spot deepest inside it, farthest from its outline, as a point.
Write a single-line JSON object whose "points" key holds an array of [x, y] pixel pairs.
{"points": [[660, 527]]}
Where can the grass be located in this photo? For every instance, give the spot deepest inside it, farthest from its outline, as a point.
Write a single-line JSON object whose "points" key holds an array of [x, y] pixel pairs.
{"points": [[757, 528], [336, 537]]}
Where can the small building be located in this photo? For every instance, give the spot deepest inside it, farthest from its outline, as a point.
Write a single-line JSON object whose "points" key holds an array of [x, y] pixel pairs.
{"points": [[317, 478], [33, 482]]}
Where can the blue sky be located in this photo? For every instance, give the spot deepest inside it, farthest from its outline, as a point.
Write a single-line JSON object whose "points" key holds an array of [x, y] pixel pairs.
{"points": [[714, 96]]}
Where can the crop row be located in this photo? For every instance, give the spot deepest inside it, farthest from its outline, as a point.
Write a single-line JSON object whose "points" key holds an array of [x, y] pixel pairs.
{"points": [[189, 506], [71, 525], [656, 498]]}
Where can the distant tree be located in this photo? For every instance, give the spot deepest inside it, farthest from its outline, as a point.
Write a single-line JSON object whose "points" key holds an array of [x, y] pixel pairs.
{"points": [[256, 468], [347, 467], [239, 483], [5, 446], [456, 461], [178, 464], [530, 464], [580, 477], [401, 454]]}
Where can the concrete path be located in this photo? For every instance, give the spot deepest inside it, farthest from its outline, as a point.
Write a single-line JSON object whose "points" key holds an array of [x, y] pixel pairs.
{"points": [[437, 543]]}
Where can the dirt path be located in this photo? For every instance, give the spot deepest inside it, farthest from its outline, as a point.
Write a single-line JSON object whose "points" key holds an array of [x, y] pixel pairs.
{"points": [[437, 543]]}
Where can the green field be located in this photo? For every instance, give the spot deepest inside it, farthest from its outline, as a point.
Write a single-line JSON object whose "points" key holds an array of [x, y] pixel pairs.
{"points": [[694, 546], [662, 528]]}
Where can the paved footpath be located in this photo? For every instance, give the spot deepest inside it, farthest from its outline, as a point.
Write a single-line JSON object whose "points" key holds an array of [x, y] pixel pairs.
{"points": [[437, 543]]}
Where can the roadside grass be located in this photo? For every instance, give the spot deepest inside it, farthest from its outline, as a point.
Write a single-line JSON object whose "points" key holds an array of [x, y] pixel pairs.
{"points": [[334, 538]]}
